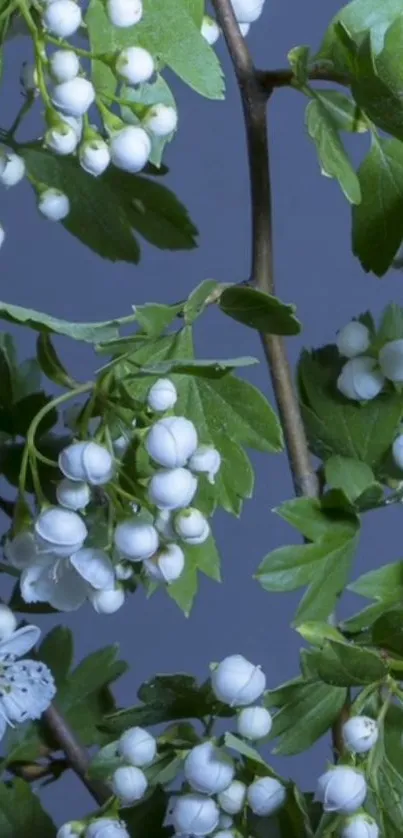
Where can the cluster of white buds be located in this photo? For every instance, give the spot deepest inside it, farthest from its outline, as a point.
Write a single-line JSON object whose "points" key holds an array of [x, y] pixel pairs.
{"points": [[103, 827], [137, 749], [363, 376], [211, 772], [246, 12], [342, 789]]}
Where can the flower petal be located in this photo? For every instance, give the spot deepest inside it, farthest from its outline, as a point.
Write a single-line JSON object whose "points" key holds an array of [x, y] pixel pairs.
{"points": [[69, 591], [36, 582], [20, 642], [3, 724], [95, 567], [21, 551]]}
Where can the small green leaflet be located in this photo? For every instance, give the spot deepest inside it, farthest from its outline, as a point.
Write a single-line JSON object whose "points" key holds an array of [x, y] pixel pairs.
{"points": [[299, 62], [305, 713], [358, 16], [377, 81], [146, 819], [333, 158], [323, 565], [203, 558], [168, 30], [259, 311], [348, 474], [391, 325], [21, 813], [197, 300], [384, 584], [346, 665], [343, 110], [105, 211], [87, 332]]}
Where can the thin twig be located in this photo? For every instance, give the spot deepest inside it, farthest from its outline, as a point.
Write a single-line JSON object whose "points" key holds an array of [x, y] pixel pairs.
{"points": [[254, 101], [270, 79], [75, 753]]}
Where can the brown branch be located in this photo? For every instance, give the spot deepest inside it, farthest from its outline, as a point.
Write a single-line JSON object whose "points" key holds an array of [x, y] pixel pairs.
{"points": [[270, 79], [254, 101], [75, 753]]}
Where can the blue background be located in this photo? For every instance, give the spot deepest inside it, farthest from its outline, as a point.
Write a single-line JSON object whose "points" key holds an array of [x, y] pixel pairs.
{"points": [[43, 267]]}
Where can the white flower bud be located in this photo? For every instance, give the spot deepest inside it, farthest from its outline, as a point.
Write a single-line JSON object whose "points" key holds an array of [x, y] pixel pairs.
{"points": [[106, 828], [232, 799], [244, 29], [8, 622], [62, 140], [163, 523], [191, 526], [76, 96], [397, 451], [123, 571], [60, 531], [354, 339], [171, 441], [73, 495], [13, 169], [208, 769], [237, 682], [210, 30], [21, 550], [130, 149], [75, 122], [86, 462], [2, 235], [73, 829], [64, 65], [207, 460], [124, 13], [254, 723], [225, 833], [167, 565], [29, 77], [341, 789], [265, 796], [95, 157], [137, 747], [172, 489], [360, 380], [129, 784], [54, 204], [95, 566], [225, 822], [162, 395], [135, 540], [62, 18], [135, 65], [360, 733], [391, 360], [360, 826], [107, 601], [247, 11], [195, 814], [161, 120]]}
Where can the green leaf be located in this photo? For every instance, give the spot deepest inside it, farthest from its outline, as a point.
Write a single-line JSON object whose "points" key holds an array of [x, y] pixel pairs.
{"points": [[387, 631], [259, 311], [146, 819], [87, 332], [307, 714], [234, 743], [298, 58], [57, 650], [389, 786], [154, 93], [343, 110], [203, 558], [357, 17], [345, 665], [105, 762], [167, 698], [352, 476], [385, 583], [28, 379], [333, 159], [168, 30], [104, 211], [25, 410], [8, 369], [21, 813], [49, 362], [154, 318], [377, 221], [391, 325], [198, 367], [365, 618], [316, 632], [197, 300], [336, 426], [377, 81]]}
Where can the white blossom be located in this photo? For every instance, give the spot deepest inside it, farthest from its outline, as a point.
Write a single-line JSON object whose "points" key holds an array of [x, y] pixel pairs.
{"points": [[124, 13], [163, 523], [354, 339], [225, 833], [167, 565], [244, 29], [135, 65], [225, 821], [106, 828], [12, 169], [135, 540], [237, 682], [172, 489], [397, 451], [66, 582], [247, 11], [360, 826], [2, 235], [207, 460], [137, 747], [191, 526], [60, 531], [162, 395], [360, 733], [360, 379], [161, 120], [210, 30], [8, 622], [86, 461], [76, 96], [171, 441], [73, 495], [26, 687], [391, 360], [62, 18], [232, 799], [108, 601], [54, 204], [129, 784], [130, 148], [195, 814], [94, 157], [254, 723], [265, 796], [64, 65], [342, 789], [208, 769], [62, 139], [72, 829]]}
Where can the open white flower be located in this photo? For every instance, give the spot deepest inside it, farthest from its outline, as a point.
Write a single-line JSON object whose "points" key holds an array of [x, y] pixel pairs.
{"points": [[66, 582], [26, 687]]}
